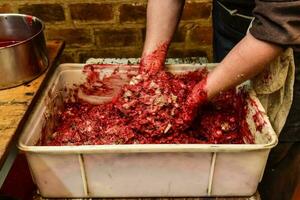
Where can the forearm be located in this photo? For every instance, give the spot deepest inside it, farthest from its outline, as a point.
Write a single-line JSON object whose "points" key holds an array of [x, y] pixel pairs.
{"points": [[245, 60], [162, 20]]}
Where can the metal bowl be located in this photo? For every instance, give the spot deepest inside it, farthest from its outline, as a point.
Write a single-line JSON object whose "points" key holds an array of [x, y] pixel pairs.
{"points": [[23, 53]]}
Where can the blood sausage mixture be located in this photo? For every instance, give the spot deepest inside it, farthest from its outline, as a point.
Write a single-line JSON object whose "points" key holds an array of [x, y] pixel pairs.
{"points": [[151, 109]]}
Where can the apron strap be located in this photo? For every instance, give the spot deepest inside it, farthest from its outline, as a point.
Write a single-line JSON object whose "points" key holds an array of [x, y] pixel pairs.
{"points": [[235, 12]]}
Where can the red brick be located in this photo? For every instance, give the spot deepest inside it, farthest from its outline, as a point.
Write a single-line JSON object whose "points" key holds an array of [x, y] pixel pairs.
{"points": [[194, 11], [132, 13], [5, 8], [72, 37], [117, 38], [91, 11], [183, 53], [201, 35], [46, 12], [110, 53]]}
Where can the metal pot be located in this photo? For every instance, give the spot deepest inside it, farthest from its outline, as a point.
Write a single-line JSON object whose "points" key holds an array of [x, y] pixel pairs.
{"points": [[23, 53]]}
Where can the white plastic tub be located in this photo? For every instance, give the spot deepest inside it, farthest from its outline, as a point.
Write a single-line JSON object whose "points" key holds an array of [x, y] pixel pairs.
{"points": [[147, 170]]}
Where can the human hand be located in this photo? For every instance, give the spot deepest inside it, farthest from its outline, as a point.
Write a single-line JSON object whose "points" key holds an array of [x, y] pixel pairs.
{"points": [[195, 99], [153, 62]]}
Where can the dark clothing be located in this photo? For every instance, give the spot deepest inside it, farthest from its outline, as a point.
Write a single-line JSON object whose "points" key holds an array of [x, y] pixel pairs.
{"points": [[291, 129], [244, 7], [276, 21], [282, 173], [228, 31]]}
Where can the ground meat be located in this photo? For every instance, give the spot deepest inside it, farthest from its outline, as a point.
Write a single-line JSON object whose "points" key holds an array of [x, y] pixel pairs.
{"points": [[153, 109], [223, 120]]}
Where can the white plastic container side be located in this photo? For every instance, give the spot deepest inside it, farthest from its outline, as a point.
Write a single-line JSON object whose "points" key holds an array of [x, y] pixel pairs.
{"points": [[148, 170]]}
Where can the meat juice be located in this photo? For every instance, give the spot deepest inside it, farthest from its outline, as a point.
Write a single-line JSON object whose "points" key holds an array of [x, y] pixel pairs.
{"points": [[151, 109]]}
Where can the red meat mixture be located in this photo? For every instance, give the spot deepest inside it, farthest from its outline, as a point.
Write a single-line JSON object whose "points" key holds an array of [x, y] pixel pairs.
{"points": [[151, 109]]}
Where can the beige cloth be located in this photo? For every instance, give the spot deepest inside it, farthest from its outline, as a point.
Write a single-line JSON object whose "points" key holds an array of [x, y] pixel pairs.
{"points": [[274, 88]]}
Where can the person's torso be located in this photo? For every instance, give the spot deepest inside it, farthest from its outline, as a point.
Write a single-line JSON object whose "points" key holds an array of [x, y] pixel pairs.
{"points": [[244, 7]]}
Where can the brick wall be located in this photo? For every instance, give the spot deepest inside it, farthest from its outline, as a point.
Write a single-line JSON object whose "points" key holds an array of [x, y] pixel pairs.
{"points": [[114, 28]]}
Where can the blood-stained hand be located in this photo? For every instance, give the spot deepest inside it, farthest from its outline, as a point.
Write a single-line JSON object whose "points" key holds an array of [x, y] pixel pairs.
{"points": [[195, 99], [154, 62]]}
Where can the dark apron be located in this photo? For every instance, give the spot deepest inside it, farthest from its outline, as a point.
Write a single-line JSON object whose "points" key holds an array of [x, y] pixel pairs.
{"points": [[230, 26]]}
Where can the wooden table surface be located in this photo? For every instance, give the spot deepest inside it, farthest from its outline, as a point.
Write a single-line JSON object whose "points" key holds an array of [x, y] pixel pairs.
{"points": [[14, 102]]}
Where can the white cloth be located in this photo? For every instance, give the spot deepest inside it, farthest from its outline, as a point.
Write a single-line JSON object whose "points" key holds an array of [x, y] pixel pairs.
{"points": [[274, 88]]}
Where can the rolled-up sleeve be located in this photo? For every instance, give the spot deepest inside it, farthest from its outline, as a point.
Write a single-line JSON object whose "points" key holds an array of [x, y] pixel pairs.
{"points": [[277, 21]]}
